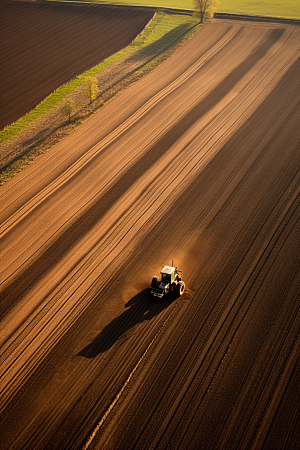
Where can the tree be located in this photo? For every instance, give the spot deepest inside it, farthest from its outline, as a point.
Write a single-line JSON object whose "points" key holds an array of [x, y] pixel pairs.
{"points": [[91, 87], [204, 9], [67, 108]]}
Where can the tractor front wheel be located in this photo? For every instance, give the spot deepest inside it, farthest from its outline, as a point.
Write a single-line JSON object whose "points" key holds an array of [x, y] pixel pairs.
{"points": [[180, 288], [154, 282]]}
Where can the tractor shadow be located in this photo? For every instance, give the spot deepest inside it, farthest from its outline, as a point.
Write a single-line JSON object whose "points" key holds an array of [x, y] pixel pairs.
{"points": [[140, 308]]}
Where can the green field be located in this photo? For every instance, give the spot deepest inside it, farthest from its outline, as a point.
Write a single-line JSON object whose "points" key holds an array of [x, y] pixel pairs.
{"points": [[289, 9]]}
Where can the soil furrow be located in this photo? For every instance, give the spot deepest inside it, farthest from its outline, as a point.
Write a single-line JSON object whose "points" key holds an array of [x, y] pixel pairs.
{"points": [[196, 163]]}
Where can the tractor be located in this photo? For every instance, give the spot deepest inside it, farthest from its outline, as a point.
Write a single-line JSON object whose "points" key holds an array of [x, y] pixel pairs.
{"points": [[170, 283]]}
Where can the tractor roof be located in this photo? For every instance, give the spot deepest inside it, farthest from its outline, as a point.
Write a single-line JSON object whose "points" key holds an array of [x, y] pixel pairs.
{"points": [[168, 270]]}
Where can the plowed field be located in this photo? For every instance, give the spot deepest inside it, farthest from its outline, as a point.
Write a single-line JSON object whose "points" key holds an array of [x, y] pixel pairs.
{"points": [[44, 45], [198, 162]]}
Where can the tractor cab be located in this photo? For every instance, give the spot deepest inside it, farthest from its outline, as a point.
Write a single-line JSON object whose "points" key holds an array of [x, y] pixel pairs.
{"points": [[168, 274]]}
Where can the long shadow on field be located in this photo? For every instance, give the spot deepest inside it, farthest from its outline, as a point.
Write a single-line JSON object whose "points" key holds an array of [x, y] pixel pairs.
{"points": [[149, 53], [166, 42], [142, 307], [103, 202]]}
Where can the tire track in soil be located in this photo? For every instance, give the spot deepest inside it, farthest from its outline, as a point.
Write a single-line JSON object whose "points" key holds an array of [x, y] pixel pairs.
{"points": [[105, 373], [145, 433], [170, 411], [96, 212]]}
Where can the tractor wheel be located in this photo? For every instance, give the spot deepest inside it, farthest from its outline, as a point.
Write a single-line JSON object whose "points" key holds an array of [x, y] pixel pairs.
{"points": [[154, 282], [180, 288]]}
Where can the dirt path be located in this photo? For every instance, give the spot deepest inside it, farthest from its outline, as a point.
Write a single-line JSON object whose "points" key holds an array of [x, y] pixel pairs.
{"points": [[198, 163]]}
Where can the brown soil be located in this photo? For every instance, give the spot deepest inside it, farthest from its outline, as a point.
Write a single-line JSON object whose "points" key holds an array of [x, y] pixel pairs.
{"points": [[44, 45], [198, 162]]}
